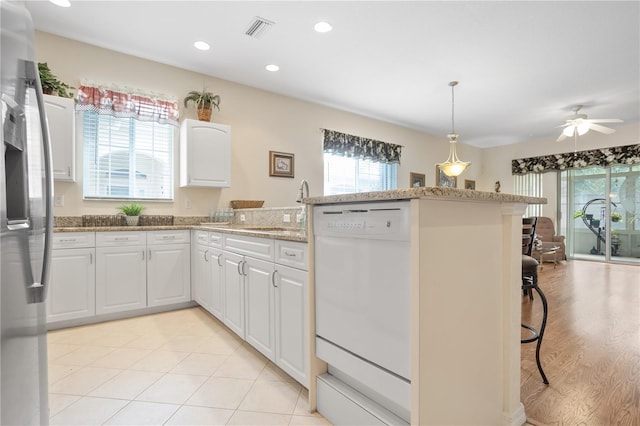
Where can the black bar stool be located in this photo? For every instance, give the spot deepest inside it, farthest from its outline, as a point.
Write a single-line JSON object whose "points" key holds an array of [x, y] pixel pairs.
{"points": [[530, 283]]}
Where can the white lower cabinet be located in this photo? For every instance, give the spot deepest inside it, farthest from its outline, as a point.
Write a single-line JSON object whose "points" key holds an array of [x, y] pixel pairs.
{"points": [[139, 269], [168, 274], [72, 285], [260, 306], [264, 288], [207, 279], [291, 321], [121, 278], [201, 288], [233, 279]]}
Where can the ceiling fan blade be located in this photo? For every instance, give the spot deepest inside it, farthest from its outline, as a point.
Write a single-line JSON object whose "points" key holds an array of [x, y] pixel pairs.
{"points": [[606, 120], [601, 129], [561, 137]]}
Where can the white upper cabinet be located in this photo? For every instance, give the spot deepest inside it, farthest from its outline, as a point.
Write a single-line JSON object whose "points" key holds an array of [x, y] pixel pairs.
{"points": [[62, 129], [205, 154]]}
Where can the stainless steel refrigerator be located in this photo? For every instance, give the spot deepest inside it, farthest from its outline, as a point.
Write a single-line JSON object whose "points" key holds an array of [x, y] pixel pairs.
{"points": [[26, 219]]}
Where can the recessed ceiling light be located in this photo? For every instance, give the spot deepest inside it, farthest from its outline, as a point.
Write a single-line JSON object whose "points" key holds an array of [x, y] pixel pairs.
{"points": [[61, 3], [201, 45], [322, 27], [272, 67]]}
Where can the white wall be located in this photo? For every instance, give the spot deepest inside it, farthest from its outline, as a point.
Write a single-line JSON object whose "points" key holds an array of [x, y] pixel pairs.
{"points": [[261, 121]]}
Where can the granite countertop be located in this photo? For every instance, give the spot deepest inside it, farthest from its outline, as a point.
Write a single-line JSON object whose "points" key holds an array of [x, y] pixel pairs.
{"points": [[273, 232], [426, 192]]}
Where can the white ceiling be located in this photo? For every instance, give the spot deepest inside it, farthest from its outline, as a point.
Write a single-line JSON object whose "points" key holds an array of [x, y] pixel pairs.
{"points": [[522, 65]]}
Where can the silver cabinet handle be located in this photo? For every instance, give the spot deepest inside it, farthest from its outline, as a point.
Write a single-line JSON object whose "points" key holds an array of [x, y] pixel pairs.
{"points": [[121, 239], [244, 263], [142, 254], [205, 255], [273, 279], [289, 254], [67, 240], [69, 171], [149, 254], [90, 258], [219, 260], [239, 266]]}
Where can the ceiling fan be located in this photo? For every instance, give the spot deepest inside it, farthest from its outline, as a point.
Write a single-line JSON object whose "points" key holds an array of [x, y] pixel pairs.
{"points": [[580, 124]]}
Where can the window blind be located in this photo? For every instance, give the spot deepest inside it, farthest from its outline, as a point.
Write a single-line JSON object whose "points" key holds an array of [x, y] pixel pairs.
{"points": [[127, 158], [529, 185]]}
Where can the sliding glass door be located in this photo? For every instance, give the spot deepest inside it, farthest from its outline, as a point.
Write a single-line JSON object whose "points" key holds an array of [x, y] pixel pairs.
{"points": [[601, 211]]}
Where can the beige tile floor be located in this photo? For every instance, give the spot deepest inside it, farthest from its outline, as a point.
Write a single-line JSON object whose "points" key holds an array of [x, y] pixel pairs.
{"points": [[174, 368]]}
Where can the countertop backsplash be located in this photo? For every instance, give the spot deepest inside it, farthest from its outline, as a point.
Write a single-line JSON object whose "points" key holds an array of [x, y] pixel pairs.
{"points": [[268, 217]]}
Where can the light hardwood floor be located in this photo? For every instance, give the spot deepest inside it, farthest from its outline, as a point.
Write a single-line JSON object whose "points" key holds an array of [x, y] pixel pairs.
{"points": [[591, 347]]}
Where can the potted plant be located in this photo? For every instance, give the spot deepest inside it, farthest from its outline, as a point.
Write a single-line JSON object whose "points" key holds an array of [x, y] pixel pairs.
{"points": [[132, 213], [204, 102], [616, 217], [51, 84]]}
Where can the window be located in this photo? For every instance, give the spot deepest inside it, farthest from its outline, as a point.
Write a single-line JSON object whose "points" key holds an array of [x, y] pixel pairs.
{"points": [[357, 164], [127, 158], [529, 185], [128, 144], [347, 174]]}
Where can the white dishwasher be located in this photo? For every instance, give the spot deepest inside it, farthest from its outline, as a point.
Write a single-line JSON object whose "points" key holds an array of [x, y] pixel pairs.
{"points": [[362, 298]]}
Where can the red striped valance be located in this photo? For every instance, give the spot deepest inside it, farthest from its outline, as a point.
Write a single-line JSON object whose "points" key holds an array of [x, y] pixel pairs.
{"points": [[120, 104]]}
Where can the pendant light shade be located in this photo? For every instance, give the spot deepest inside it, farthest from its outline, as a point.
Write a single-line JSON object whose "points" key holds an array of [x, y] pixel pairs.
{"points": [[453, 166]]}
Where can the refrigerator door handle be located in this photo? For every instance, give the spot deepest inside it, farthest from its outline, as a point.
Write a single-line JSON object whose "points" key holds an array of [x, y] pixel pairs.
{"points": [[40, 295]]}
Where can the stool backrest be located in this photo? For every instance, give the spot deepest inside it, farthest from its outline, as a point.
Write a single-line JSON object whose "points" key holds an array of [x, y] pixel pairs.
{"points": [[528, 234]]}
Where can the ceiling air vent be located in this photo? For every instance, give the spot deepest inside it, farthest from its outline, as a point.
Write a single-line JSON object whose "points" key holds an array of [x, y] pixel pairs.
{"points": [[258, 27]]}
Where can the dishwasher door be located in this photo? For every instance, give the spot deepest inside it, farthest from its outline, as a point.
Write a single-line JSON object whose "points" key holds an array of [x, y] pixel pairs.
{"points": [[362, 282]]}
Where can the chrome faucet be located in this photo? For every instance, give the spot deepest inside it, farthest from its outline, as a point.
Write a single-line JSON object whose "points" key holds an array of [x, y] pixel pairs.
{"points": [[304, 186]]}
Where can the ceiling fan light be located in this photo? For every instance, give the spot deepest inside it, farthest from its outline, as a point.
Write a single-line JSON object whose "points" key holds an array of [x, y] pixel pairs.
{"points": [[582, 128], [568, 131]]}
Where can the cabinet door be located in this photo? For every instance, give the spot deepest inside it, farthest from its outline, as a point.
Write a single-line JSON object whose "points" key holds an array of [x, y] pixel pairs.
{"points": [[201, 276], [216, 283], [291, 322], [121, 279], [168, 274], [233, 292], [260, 306], [205, 154], [72, 284], [61, 119]]}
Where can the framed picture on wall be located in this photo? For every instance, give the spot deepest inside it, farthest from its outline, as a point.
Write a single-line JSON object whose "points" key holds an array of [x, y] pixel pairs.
{"points": [[444, 180], [469, 184], [416, 180], [281, 164]]}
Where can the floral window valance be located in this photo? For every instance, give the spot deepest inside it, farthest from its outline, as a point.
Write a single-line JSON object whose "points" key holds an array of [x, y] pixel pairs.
{"points": [[121, 104], [355, 146], [628, 154]]}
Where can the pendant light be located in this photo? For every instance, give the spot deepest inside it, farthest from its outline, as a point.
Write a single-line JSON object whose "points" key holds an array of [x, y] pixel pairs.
{"points": [[453, 166]]}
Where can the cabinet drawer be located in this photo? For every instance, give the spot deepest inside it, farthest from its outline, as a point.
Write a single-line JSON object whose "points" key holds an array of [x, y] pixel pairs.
{"points": [[201, 237], [260, 248], [168, 237], [292, 254], [110, 239], [215, 239], [64, 240]]}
